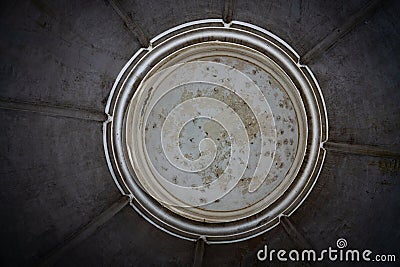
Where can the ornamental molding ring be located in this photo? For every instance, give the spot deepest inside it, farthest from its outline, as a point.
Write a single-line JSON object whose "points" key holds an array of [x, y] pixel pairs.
{"points": [[215, 130]]}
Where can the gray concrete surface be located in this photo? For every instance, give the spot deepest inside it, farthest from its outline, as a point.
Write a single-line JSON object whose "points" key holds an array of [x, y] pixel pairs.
{"points": [[53, 175], [65, 53], [360, 80]]}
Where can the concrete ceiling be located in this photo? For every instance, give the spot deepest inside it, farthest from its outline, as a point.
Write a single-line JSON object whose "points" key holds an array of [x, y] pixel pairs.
{"points": [[58, 62]]}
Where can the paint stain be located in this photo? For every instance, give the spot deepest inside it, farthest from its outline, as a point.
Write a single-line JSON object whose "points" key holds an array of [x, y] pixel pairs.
{"points": [[387, 167]]}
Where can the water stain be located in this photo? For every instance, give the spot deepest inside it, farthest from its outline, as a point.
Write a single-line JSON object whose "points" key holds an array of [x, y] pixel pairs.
{"points": [[387, 167]]}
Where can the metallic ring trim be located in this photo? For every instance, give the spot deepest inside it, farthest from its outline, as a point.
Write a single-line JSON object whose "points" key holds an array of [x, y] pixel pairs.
{"points": [[144, 62]]}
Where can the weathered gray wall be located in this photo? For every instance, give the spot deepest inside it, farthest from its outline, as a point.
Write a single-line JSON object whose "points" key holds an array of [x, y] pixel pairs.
{"points": [[64, 55]]}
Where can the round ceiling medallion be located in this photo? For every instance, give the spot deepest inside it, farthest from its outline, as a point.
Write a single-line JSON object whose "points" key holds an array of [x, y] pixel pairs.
{"points": [[215, 130]]}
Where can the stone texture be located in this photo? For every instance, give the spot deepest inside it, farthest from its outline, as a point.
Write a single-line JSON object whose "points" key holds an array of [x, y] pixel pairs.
{"points": [[64, 53], [53, 180], [359, 78], [53, 174], [129, 240], [301, 23]]}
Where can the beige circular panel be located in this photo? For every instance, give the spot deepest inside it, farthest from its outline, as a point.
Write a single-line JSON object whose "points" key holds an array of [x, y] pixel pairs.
{"points": [[245, 113]]}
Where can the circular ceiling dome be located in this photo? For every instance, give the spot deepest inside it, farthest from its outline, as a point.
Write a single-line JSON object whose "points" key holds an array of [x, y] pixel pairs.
{"points": [[215, 130]]}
